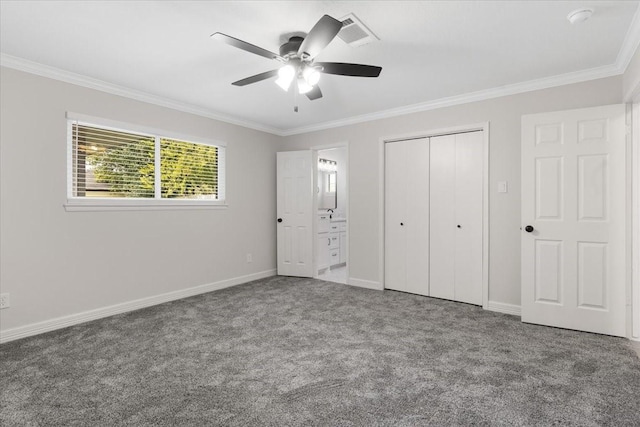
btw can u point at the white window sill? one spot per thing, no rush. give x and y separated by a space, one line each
85 205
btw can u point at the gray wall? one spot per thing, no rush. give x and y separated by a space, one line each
631 78
504 116
56 263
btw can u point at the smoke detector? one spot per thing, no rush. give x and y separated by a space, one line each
354 32
579 15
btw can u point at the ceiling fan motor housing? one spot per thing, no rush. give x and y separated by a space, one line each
291 47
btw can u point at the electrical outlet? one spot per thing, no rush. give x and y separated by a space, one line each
4 301
249 258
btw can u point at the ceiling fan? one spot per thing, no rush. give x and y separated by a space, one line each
298 55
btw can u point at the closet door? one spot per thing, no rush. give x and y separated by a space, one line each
456 217
443 217
468 237
407 216
395 236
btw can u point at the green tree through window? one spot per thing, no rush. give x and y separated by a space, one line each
126 168
110 163
188 170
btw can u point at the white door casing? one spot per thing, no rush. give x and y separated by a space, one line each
635 198
573 195
295 194
407 216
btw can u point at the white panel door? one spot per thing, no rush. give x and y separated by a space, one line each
295 213
407 216
456 217
573 218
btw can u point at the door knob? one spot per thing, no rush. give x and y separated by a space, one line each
529 228
402 223
459 226
279 219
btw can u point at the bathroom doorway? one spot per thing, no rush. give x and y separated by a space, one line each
331 220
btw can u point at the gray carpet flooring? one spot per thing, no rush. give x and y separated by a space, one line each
288 352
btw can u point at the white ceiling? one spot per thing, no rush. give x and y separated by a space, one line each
430 51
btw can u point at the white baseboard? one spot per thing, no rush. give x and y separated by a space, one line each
99 313
635 345
368 284
502 307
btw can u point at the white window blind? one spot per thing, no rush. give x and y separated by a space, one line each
188 170
116 164
111 163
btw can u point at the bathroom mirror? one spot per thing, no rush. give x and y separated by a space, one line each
327 184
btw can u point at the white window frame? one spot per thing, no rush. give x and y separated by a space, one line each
157 203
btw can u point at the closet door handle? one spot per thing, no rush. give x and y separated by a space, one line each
329 241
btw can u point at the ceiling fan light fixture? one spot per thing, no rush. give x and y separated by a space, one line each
285 76
303 86
311 75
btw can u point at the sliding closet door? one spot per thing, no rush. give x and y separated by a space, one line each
407 216
456 217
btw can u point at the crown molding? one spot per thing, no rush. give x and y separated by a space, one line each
31 67
513 89
632 40
630 43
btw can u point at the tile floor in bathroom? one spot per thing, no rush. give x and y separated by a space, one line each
336 274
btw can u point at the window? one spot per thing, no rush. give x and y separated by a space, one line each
109 166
